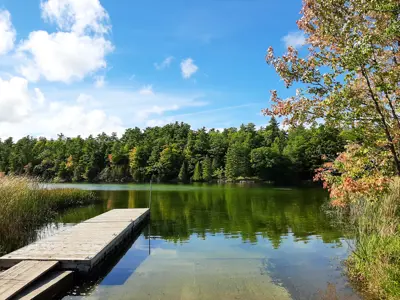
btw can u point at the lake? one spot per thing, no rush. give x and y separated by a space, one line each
219 242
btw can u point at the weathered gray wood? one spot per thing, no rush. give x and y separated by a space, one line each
82 246
49 287
21 275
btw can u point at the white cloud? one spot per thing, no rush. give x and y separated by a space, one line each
159 110
295 39
79 50
39 96
188 68
138 107
165 63
79 16
15 101
7 32
99 81
84 110
62 56
85 99
158 122
147 90
24 111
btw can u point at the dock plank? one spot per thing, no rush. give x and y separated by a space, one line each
83 245
21 275
49 287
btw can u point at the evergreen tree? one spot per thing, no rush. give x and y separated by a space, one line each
197 172
183 173
207 169
215 164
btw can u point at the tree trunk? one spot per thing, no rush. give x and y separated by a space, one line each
385 125
393 110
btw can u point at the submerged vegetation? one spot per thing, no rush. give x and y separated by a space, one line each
25 205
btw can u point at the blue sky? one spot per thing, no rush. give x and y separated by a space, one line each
87 66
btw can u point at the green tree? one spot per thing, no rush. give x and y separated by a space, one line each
237 161
215 164
219 173
197 172
5 153
172 152
272 132
207 169
137 163
183 172
349 78
170 160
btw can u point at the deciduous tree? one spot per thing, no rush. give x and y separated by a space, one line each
350 77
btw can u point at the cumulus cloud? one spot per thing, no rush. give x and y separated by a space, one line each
68 55
295 39
7 32
15 101
77 50
62 56
27 111
188 68
165 63
79 16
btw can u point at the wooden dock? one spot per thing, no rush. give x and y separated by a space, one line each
82 246
79 248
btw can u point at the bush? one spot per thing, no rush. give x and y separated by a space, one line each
26 204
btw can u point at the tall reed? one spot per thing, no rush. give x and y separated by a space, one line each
26 204
374 265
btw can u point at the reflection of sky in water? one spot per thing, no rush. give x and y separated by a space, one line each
219 267
182 271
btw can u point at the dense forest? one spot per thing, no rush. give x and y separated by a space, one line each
175 152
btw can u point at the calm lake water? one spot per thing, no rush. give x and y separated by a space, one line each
220 242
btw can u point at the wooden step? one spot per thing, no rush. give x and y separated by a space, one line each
48 287
15 279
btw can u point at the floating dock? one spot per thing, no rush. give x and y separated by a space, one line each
79 248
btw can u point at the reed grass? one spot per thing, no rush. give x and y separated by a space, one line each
374 265
26 204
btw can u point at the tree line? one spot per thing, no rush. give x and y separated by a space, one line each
175 152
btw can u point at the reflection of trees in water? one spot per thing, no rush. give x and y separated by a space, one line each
247 213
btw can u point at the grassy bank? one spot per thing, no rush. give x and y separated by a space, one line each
26 204
374 265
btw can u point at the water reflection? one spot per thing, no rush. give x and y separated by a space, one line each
224 242
248 213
